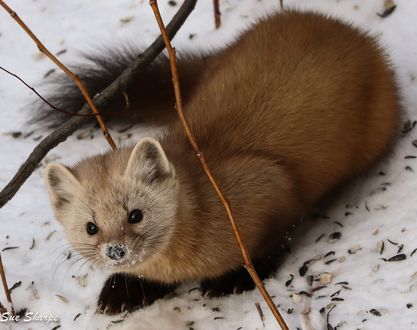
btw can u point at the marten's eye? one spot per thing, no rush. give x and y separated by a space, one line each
92 229
135 216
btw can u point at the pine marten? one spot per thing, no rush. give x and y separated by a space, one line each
298 104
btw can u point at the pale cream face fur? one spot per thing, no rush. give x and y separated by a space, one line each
104 190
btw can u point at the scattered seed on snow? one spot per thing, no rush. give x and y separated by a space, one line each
318 288
62 298
329 254
400 248
330 261
389 7
375 312
303 270
335 293
288 283
15 286
398 257
333 237
326 278
337 299
392 242
338 223
408 126
354 249
50 235
305 294
320 237
380 247
9 248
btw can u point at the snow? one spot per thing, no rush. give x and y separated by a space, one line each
372 209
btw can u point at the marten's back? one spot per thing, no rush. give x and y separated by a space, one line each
309 91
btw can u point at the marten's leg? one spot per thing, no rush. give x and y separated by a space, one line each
123 292
239 280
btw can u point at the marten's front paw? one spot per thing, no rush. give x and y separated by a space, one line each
120 293
123 292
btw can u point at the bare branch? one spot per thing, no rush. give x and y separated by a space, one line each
179 107
67 71
111 92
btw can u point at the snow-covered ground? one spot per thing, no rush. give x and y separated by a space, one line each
369 292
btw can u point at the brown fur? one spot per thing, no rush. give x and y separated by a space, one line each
299 104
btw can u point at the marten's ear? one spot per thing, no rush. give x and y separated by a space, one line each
62 185
148 162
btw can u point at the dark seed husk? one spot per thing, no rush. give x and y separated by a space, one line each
388 11
398 257
329 254
375 312
336 235
408 126
303 270
330 261
9 248
15 286
288 283
337 299
392 242
335 294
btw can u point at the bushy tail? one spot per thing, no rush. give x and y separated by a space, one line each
149 99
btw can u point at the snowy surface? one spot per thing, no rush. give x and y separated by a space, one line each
375 208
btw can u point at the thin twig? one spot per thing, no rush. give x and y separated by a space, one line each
67 71
281 3
217 14
43 99
103 99
179 107
5 287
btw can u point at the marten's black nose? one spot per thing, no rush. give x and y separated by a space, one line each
115 251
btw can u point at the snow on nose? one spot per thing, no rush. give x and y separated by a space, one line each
116 251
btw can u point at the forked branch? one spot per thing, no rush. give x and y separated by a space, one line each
179 107
67 71
111 92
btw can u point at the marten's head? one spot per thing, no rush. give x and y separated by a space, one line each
117 209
